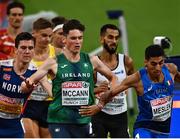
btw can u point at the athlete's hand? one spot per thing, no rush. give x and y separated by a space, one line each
103 87
93 109
106 97
89 110
27 85
99 90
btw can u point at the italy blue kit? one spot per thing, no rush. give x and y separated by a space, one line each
154 106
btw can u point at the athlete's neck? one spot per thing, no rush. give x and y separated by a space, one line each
107 56
156 79
41 54
20 67
39 50
110 60
73 57
13 32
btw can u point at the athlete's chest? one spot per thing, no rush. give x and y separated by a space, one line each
10 83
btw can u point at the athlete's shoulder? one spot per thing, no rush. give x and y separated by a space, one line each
8 62
142 71
52 52
171 67
94 58
128 62
84 56
32 66
83 53
3 32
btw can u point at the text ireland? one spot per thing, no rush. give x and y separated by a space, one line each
76 75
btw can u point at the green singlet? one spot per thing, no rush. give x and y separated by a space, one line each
73 87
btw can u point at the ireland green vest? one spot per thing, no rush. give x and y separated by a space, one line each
72 88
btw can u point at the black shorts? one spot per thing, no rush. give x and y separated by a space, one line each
116 125
37 110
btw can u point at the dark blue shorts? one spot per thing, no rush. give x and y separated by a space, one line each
69 130
11 128
147 133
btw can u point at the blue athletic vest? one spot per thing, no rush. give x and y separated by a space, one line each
11 98
155 104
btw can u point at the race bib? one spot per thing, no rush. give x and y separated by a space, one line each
161 108
117 105
10 107
39 94
75 93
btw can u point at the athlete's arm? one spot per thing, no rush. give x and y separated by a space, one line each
130 81
102 87
175 74
46 85
177 77
100 67
49 66
129 66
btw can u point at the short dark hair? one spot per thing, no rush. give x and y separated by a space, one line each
109 26
58 20
23 36
41 23
154 51
71 25
15 5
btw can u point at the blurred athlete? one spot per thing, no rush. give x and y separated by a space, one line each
57 36
15 14
35 115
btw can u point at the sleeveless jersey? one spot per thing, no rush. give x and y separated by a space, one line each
11 98
72 88
155 104
118 104
7 45
39 93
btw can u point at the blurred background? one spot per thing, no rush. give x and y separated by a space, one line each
145 19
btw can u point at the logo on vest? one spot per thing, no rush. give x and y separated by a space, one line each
63 66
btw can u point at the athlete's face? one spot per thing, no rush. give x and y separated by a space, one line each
43 37
154 66
110 40
58 38
15 17
74 40
25 51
